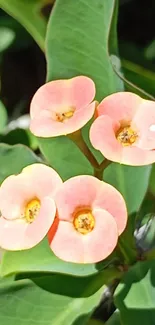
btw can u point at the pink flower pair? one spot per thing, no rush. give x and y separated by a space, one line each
124 128
82 216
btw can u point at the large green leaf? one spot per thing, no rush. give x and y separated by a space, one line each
14 158
41 259
135 295
63 155
132 182
77 43
50 300
29 14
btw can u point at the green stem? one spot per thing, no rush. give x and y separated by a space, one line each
105 163
98 173
77 138
128 255
123 253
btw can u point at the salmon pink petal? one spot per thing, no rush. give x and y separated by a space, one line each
12 234
19 235
71 246
43 179
109 199
135 156
45 126
78 191
101 242
48 96
102 137
67 243
144 122
121 106
78 92
13 193
35 181
82 91
38 229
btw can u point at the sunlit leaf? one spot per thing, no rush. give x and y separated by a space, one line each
135 295
29 14
41 259
132 182
14 158
77 43
56 300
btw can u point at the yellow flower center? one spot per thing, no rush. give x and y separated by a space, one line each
84 221
64 115
126 136
31 210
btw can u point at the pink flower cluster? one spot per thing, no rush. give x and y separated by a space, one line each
83 216
124 126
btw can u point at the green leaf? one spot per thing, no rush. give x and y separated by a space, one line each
135 295
7 36
150 51
77 42
3 115
14 158
56 300
13 137
140 76
64 156
1 253
28 13
21 37
41 259
152 182
114 319
126 247
132 182
25 136
94 322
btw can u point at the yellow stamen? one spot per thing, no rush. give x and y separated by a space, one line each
84 221
65 114
126 136
68 114
31 210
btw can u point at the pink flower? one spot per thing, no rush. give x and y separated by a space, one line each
27 207
124 130
91 215
63 106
